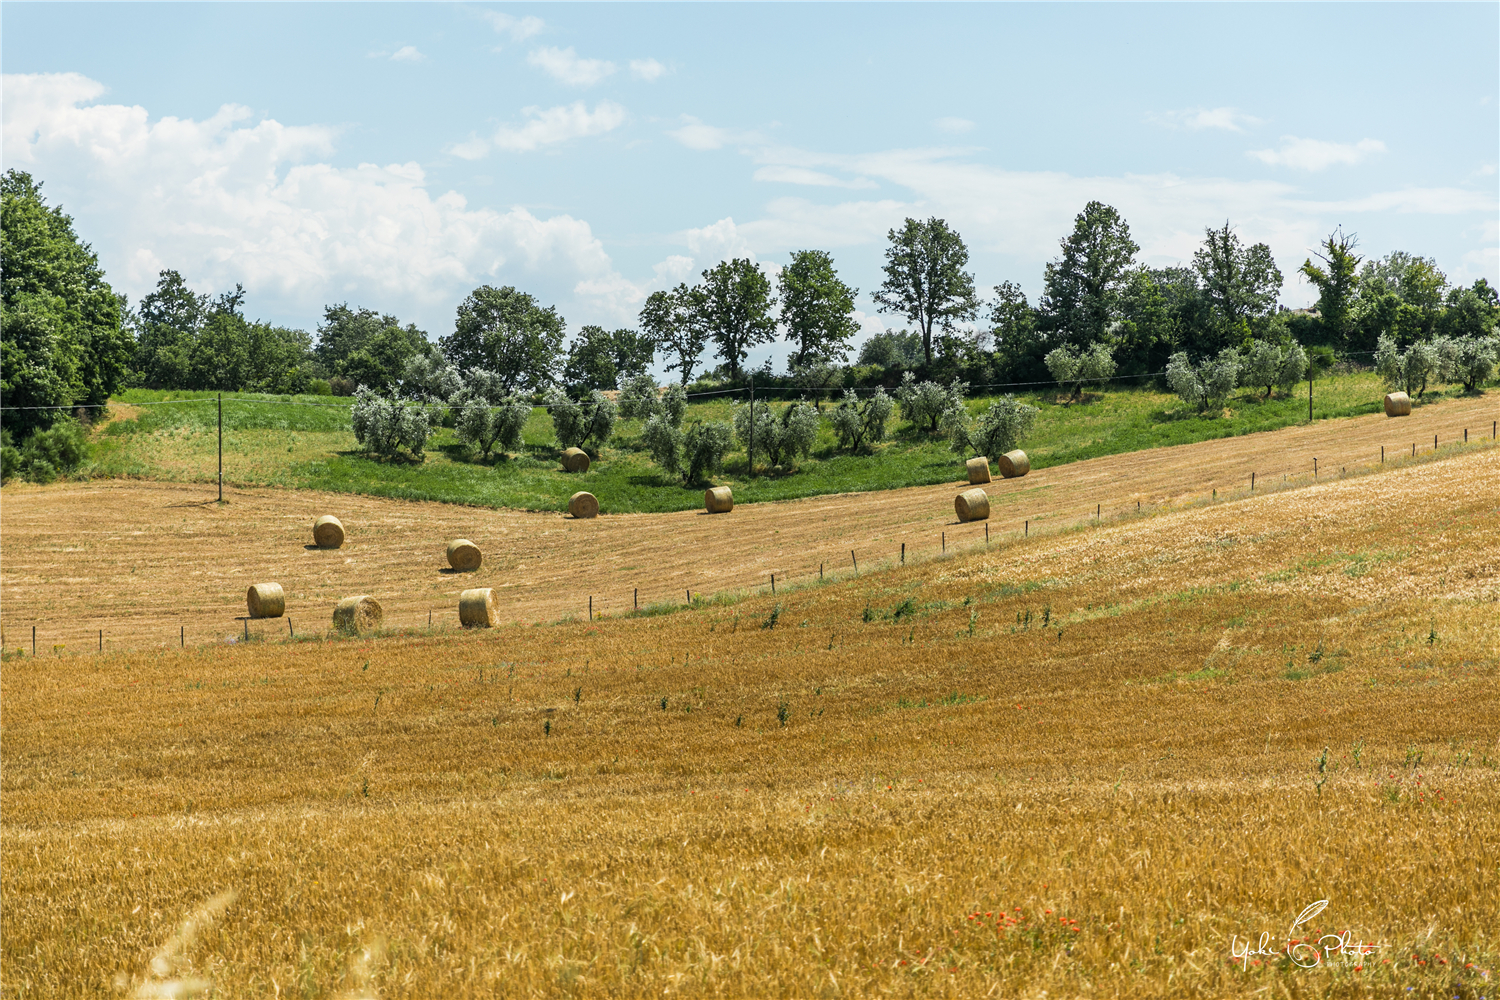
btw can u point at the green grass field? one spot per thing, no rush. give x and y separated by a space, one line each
306 442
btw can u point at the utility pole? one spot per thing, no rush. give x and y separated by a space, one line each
221 447
750 449
1309 397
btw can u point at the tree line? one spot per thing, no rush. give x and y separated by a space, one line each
69 339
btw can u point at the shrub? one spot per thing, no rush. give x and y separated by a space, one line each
56 451
1467 360
818 377
640 399
10 458
484 426
590 420
663 440
383 425
340 386
1405 372
998 430
1094 364
1268 365
319 387
925 404
1207 382
430 378
859 425
706 444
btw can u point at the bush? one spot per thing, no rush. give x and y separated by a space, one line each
859 425
1467 360
1406 372
1204 383
483 426
56 451
319 387
663 440
340 386
10 458
592 419
780 438
1268 365
640 399
383 425
926 404
1094 364
998 430
705 445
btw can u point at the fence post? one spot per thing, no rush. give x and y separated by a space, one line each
945 542
1382 454
289 630
750 448
33 642
820 571
101 640
986 532
903 553
1434 442
591 607
182 637
1027 530
855 561
1315 468
1252 482
638 598
773 584
690 595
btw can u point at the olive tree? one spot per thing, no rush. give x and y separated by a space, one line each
925 404
1406 371
1210 380
859 424
781 437
998 429
1069 367
1273 366
579 424
385 424
1467 360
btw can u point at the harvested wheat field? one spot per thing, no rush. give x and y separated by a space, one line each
153 564
1101 762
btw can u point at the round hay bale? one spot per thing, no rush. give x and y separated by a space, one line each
583 505
265 600
464 555
1014 464
355 615
972 505
1397 404
979 470
575 460
328 532
718 500
476 608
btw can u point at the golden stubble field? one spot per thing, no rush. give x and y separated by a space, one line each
154 564
1091 763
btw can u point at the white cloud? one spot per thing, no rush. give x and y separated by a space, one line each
518 28
1316 154
719 241
566 66
1229 119
694 134
230 199
953 125
647 69
801 175
407 53
545 127
672 270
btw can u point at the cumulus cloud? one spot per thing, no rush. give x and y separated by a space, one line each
1229 119
231 198
953 125
518 28
694 134
1316 154
568 67
647 69
545 127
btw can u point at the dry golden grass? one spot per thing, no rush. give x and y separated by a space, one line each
1107 737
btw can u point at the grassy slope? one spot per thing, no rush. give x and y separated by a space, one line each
310 446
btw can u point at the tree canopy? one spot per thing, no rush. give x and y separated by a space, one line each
1083 287
736 306
817 309
925 280
507 332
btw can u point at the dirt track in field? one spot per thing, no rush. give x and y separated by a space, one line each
140 560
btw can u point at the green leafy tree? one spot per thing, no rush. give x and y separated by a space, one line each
1470 312
926 404
587 423
1207 382
736 307
62 341
488 416
1468 361
817 309
999 429
1083 287
1273 365
779 437
507 332
591 361
925 280
1240 283
859 424
892 350
1146 331
168 320
386 424
1018 341
363 347
1337 279
1075 368
1406 371
676 322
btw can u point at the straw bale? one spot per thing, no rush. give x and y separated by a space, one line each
355 615
1014 464
583 505
972 505
265 600
979 470
575 460
718 500
476 608
464 555
328 532
1397 404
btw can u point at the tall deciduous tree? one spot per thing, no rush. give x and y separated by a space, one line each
1083 287
507 332
817 309
925 280
675 321
1241 283
365 347
168 321
1337 280
736 305
61 338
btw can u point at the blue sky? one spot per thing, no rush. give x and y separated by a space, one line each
398 155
